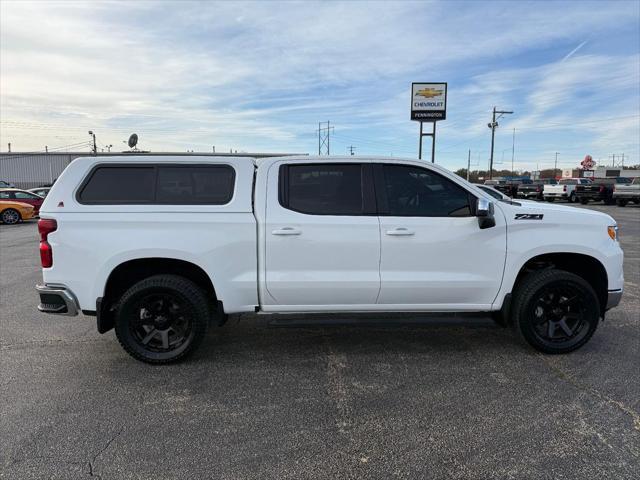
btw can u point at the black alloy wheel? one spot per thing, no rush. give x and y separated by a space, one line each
162 318
555 311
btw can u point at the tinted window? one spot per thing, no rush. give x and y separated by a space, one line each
322 189
120 185
418 192
207 184
167 184
25 196
5 195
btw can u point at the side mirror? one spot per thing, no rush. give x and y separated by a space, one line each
484 212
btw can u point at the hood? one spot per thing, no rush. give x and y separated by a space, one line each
557 212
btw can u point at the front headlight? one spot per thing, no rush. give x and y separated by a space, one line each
612 230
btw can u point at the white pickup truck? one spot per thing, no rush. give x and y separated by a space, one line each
624 193
159 247
565 189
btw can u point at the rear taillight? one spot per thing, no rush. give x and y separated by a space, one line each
45 227
538 188
601 188
564 188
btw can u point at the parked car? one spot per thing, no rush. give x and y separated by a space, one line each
535 189
500 185
497 194
40 191
564 189
14 212
601 189
313 234
624 193
22 196
4 184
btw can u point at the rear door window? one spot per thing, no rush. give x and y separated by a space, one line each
326 189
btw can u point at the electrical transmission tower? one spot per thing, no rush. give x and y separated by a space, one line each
324 134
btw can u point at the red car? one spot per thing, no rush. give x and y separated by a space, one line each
22 196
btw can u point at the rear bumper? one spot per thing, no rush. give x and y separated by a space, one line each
613 299
57 299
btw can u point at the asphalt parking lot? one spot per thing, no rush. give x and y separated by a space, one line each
439 397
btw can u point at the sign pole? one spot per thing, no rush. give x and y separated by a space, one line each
433 144
420 143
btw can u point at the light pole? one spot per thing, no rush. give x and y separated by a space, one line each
555 166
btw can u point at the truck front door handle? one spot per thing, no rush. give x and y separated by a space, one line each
287 231
400 232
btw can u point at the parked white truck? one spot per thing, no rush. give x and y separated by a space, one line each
160 247
565 189
624 193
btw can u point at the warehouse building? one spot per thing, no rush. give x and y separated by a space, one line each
30 170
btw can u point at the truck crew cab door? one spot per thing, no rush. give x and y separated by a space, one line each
322 237
434 255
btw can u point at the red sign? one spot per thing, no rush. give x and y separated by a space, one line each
587 163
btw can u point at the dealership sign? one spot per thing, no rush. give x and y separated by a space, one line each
428 102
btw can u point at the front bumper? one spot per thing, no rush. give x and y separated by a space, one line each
57 299
613 298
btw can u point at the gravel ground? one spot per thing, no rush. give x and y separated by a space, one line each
437 397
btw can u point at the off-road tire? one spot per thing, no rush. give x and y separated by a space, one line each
526 302
191 298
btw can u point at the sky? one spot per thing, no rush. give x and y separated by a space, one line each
258 77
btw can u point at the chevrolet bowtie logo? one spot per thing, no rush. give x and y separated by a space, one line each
428 93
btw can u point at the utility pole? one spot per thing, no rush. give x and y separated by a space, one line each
493 126
468 164
95 148
351 148
623 160
9 147
513 149
555 166
324 134
46 149
213 149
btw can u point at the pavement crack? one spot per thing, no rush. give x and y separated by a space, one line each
567 377
91 463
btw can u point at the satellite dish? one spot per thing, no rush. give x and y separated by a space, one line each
133 140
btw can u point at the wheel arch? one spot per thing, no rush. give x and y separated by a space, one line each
585 266
129 272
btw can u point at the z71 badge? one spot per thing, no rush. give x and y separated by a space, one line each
529 216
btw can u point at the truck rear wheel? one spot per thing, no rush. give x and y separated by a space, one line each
555 311
161 319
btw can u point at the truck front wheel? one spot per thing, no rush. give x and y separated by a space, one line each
555 311
162 318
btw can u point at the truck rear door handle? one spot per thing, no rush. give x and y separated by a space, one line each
400 232
287 231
